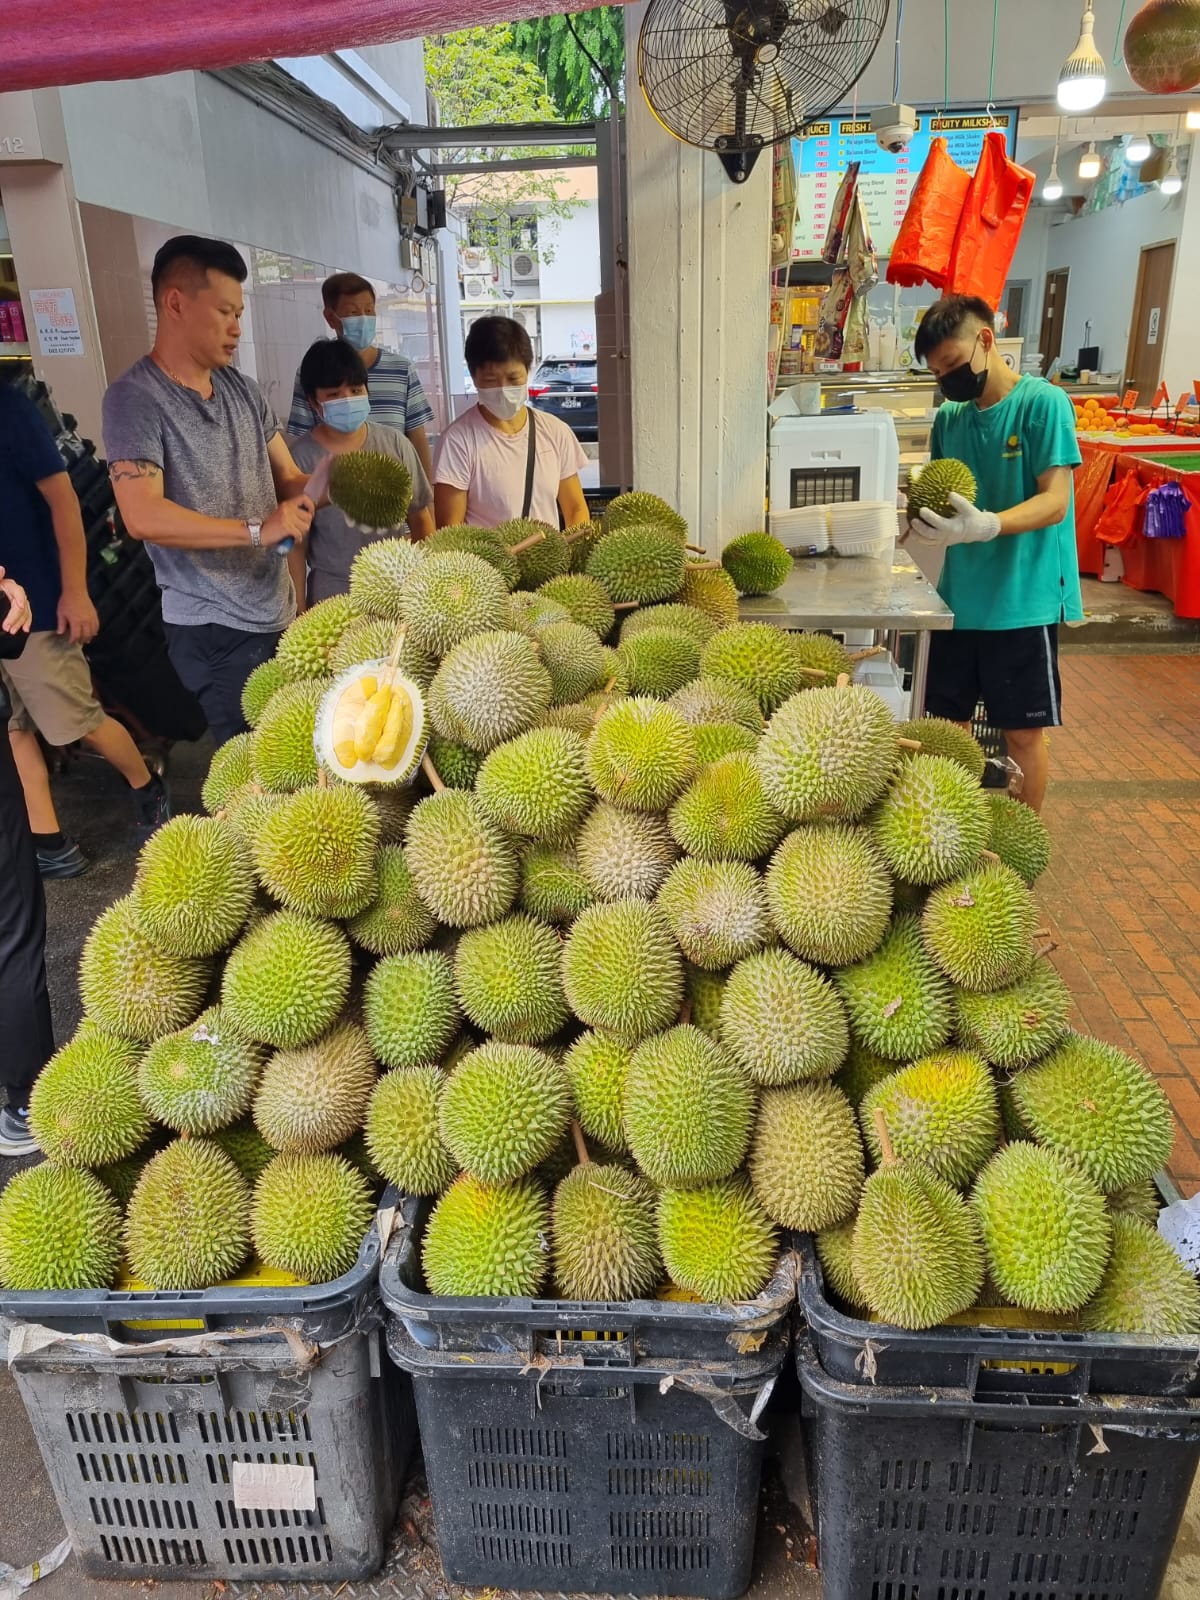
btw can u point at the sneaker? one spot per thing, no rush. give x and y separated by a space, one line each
16 1138
152 806
67 861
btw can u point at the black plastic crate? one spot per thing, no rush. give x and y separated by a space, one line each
994 744
933 1494
567 1451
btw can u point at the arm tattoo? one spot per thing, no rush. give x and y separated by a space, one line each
119 470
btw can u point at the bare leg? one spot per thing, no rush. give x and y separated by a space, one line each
113 741
1028 748
35 780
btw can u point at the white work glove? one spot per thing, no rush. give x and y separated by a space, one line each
968 525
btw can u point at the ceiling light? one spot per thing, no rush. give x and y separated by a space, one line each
1090 163
1171 182
1052 188
1192 121
1081 83
1138 149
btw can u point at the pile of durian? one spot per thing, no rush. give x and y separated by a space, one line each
672 936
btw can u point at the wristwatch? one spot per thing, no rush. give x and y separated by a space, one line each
255 531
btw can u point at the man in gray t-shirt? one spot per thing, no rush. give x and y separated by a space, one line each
202 474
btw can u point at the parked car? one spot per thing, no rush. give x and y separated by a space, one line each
565 386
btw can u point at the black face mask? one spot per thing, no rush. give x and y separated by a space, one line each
964 383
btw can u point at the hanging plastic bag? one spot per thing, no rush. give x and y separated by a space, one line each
1119 519
921 253
1166 511
990 225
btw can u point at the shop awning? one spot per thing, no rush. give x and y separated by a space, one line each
82 41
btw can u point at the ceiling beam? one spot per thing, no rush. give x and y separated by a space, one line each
488 136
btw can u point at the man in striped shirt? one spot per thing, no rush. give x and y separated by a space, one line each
397 398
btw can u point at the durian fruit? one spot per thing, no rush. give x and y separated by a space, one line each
59 1229
756 562
622 969
689 1109
659 661
671 614
861 1071
132 987
898 1000
319 1240
455 764
187 1225
1099 1108
246 1148
257 690
229 770
806 1159
597 1067
483 542
638 562
194 886
605 1239
372 490
711 590
1016 1026
507 979
586 599
529 611
465 870
717 1241
980 928
536 784
717 910
757 657
1045 1228
1140 1200
937 737
828 753
1146 1289
941 1111
639 508
612 681
641 755
316 851
397 921
283 756
314 1097
378 574
717 739
705 991
916 1253
447 598
503 1110
410 1008
821 653
402 1133
309 642
782 1021
718 700
120 1177
373 639
286 979
835 1252
585 536
1018 836
547 556
933 821
202 1077
573 657
484 1239
489 688
724 814
934 483
625 854
553 885
830 894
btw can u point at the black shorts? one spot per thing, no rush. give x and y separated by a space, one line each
1013 671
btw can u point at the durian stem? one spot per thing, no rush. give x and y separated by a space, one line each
843 680
1042 951
1042 933
431 772
886 1147
580 532
865 655
397 648
581 1149
322 778
814 672
910 744
990 856
626 605
685 1013
696 549
526 544
703 566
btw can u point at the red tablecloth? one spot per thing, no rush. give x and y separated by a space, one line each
1168 566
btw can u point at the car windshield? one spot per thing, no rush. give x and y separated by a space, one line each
576 372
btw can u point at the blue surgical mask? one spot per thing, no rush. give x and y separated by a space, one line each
359 332
346 415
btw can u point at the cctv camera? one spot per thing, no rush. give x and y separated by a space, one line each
893 127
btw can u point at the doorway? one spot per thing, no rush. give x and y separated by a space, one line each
1054 310
1016 300
1148 327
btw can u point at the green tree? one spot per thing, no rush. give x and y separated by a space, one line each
555 45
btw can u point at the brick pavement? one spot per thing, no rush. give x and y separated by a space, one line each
1122 892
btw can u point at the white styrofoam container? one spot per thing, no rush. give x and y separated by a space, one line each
863 444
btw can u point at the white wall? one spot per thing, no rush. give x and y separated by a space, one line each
1181 366
570 281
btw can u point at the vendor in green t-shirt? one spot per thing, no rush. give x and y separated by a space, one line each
1011 574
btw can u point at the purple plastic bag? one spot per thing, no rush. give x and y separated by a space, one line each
1165 511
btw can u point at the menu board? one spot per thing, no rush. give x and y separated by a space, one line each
886 181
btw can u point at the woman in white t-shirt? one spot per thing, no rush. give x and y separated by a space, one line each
483 459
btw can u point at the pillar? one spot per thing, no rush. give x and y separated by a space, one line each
1181 362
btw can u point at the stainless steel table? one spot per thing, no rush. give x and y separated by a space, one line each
889 595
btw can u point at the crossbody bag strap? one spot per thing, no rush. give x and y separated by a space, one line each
530 462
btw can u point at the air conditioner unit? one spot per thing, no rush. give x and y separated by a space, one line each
475 259
477 287
524 267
